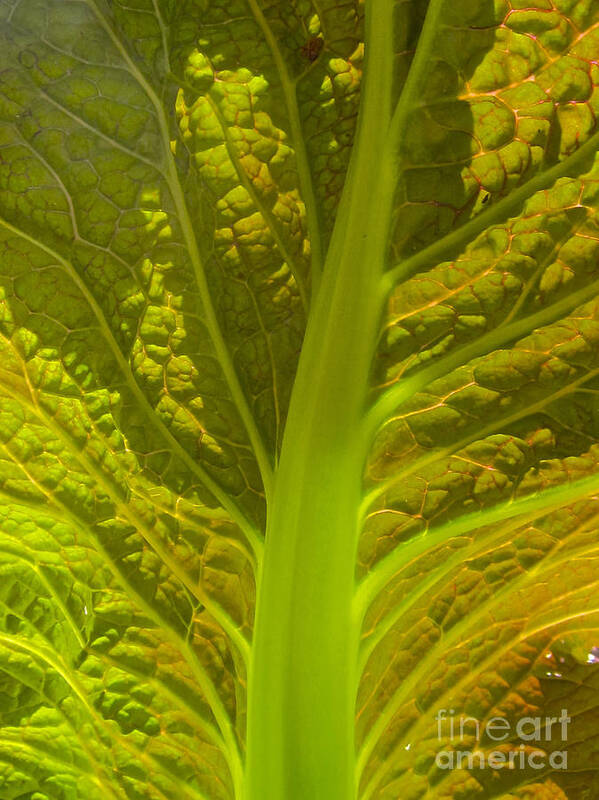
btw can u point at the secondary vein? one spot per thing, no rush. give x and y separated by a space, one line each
187 228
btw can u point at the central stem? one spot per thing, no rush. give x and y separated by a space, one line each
302 679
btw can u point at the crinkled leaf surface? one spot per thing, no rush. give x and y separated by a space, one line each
202 246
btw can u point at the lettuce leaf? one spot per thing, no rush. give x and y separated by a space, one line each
299 378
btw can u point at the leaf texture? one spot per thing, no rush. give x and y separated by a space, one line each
175 178
476 558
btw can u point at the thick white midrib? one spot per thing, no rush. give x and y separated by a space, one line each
212 323
301 687
253 538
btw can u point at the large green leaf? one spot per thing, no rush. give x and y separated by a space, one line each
299 420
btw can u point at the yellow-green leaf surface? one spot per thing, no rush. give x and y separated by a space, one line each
299 396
